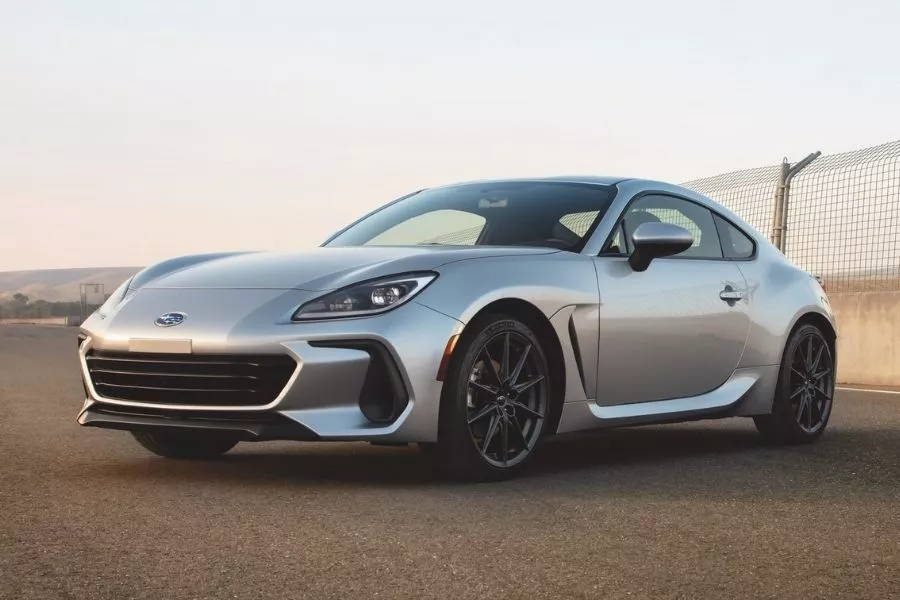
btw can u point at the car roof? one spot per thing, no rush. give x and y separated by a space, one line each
592 179
598 179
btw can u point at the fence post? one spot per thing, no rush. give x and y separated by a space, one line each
782 199
787 195
778 205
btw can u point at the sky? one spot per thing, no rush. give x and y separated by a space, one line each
135 131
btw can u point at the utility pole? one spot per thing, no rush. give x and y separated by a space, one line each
782 198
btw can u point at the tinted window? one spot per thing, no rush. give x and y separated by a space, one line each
506 213
675 211
735 243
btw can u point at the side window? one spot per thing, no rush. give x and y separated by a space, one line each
675 211
735 243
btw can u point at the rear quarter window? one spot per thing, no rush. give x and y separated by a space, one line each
735 243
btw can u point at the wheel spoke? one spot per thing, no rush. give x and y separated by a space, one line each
531 412
817 377
815 365
493 365
809 408
484 388
809 350
818 407
528 384
521 433
799 390
801 408
492 430
484 411
823 394
504 438
517 372
798 373
504 366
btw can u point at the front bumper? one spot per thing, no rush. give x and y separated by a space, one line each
322 399
249 427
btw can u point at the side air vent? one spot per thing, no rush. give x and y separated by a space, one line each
383 396
573 335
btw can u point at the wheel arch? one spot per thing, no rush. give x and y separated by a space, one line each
823 323
816 318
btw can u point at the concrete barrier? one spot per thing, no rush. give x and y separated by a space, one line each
868 337
37 321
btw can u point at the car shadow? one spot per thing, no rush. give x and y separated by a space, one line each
681 456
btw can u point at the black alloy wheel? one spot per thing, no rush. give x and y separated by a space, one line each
805 393
496 402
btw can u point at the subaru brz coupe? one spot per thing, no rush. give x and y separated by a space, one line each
474 320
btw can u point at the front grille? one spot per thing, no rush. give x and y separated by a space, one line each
203 380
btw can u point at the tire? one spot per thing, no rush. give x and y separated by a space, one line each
804 395
194 445
494 411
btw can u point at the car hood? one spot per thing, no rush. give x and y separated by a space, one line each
321 269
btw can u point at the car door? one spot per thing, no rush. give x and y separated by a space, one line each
677 329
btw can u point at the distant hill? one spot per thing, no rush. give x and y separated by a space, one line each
60 285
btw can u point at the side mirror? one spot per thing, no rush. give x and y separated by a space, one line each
657 240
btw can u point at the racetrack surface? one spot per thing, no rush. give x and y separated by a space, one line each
701 510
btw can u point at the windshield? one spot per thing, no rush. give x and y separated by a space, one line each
522 213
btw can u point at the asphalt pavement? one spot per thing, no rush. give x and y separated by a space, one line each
700 510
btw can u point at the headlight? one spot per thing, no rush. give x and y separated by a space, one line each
367 298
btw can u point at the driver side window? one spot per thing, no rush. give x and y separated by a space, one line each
652 208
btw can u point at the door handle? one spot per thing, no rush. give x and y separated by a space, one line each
731 295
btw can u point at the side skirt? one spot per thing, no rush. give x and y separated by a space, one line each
747 392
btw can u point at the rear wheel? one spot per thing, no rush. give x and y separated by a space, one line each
197 445
495 403
805 391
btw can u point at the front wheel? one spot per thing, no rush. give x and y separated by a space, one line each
199 445
495 404
805 391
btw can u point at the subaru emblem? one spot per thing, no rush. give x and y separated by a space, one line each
170 319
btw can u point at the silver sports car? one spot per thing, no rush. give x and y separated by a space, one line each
475 320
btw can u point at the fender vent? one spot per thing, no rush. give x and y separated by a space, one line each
573 335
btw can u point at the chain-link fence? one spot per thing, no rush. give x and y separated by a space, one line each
842 214
748 193
841 217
